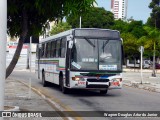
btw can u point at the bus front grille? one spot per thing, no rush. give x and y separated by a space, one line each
97 86
98 80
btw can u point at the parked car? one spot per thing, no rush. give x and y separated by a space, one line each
157 66
131 64
146 64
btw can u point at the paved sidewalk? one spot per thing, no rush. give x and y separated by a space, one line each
138 70
17 94
133 79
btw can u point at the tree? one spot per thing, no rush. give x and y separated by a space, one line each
120 25
60 27
28 17
154 36
154 19
133 27
148 46
94 18
131 46
136 28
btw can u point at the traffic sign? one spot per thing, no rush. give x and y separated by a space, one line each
141 49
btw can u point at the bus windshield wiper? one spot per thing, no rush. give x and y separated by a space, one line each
105 44
89 42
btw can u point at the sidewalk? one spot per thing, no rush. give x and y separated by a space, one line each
133 79
17 94
138 70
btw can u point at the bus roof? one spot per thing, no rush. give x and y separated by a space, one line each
65 33
88 32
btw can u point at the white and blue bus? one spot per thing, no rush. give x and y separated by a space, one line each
81 59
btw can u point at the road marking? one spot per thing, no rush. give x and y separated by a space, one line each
54 102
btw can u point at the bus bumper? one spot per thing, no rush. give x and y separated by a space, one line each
114 87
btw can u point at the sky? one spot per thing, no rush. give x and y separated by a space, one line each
138 9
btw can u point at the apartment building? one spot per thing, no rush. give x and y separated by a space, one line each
119 9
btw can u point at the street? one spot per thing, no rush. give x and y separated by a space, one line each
126 99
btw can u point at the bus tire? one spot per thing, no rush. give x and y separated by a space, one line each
103 92
63 88
44 82
60 82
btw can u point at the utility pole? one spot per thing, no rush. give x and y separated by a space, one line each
80 19
80 22
141 50
30 62
27 64
3 40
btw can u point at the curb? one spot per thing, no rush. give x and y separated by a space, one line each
138 70
141 86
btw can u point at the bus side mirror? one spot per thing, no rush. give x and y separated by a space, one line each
70 44
122 40
70 39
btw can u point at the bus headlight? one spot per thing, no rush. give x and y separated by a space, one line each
77 79
116 81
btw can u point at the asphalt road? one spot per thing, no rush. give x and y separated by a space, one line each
126 99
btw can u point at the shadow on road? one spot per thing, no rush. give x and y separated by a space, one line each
84 93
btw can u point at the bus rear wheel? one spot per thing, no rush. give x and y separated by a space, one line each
44 82
60 82
103 92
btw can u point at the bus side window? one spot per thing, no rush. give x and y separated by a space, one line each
48 49
58 47
45 50
37 51
54 50
42 51
59 50
63 47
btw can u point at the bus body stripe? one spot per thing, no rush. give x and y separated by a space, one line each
52 62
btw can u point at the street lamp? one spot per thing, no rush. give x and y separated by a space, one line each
80 21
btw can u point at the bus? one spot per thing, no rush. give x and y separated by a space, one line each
81 58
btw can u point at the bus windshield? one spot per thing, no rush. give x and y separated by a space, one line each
96 54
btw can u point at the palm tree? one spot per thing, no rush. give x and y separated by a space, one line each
153 37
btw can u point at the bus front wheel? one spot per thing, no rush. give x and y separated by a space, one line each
62 87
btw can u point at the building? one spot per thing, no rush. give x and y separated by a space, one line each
119 9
